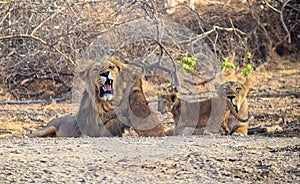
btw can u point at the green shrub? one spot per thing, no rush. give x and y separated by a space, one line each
247 70
248 55
228 65
188 63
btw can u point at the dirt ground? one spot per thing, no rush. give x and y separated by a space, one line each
198 159
270 155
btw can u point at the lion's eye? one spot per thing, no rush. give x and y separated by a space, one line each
96 70
111 67
238 89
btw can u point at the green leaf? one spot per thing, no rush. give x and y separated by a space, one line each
189 60
185 58
247 70
227 65
190 63
226 59
188 68
179 62
249 55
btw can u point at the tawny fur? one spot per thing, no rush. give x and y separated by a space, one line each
212 116
235 122
143 120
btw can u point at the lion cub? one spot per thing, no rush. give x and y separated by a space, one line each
225 114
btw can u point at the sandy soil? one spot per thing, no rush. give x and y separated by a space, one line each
271 155
198 159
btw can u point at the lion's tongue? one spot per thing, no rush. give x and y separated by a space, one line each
106 87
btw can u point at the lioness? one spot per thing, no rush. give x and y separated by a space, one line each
226 113
96 115
236 117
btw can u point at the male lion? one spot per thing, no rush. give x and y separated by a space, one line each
226 113
96 116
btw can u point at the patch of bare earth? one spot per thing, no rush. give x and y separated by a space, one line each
197 159
274 100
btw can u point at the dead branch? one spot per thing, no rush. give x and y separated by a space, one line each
39 40
159 66
281 17
33 101
50 37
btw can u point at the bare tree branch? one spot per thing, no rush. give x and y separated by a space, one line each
40 40
281 17
50 37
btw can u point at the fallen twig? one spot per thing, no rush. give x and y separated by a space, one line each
32 101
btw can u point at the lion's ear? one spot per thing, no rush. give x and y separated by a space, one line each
84 68
82 74
116 62
174 97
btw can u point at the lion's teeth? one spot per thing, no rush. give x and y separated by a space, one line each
106 87
233 102
103 79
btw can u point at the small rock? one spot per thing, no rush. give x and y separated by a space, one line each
17 152
47 171
43 161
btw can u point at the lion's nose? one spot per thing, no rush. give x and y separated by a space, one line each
231 97
104 74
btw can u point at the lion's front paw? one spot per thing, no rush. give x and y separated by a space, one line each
238 134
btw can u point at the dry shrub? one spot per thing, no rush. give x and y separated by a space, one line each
41 42
264 28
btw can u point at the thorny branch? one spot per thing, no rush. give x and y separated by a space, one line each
65 29
32 35
41 41
281 17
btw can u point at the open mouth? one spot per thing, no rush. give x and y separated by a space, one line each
106 90
231 98
107 87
